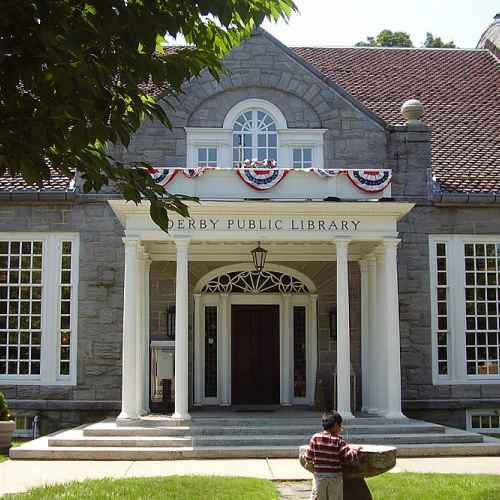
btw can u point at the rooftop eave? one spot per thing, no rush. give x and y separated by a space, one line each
461 199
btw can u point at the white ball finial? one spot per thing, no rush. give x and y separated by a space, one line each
412 111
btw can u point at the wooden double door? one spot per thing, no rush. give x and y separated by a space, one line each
255 355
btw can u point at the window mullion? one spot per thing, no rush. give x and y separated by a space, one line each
457 309
50 312
254 135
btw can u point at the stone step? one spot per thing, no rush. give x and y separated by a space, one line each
281 421
39 450
110 429
255 421
387 439
75 438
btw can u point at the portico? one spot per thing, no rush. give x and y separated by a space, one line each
344 234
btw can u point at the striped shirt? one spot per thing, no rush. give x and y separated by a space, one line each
328 451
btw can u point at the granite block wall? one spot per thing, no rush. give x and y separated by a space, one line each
415 304
261 68
100 309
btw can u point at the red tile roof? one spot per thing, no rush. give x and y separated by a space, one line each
18 184
460 90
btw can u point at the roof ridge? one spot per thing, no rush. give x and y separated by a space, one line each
442 49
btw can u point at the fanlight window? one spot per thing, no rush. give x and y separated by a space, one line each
254 282
254 137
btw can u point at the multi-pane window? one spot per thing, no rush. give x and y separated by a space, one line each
482 273
442 308
299 351
254 137
211 351
486 420
302 157
207 157
37 296
20 307
466 308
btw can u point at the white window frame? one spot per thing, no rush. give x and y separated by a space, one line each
488 412
207 147
301 148
51 275
457 370
223 137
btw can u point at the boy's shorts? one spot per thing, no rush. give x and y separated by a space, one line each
328 487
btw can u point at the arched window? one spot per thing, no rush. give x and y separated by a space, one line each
254 137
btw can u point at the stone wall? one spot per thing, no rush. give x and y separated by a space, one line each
415 301
100 307
262 68
323 274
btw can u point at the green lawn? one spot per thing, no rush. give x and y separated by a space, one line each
435 487
387 487
171 488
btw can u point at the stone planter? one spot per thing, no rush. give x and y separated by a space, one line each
372 461
7 428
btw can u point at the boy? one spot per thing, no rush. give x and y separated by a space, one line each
327 450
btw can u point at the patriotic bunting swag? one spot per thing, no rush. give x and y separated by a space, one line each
326 173
370 181
194 172
162 176
255 175
261 179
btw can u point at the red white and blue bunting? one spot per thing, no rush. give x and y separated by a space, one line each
322 172
255 175
163 176
370 181
261 179
190 173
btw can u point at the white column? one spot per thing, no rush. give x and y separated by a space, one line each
380 382
287 350
140 331
129 400
392 342
365 374
343 337
147 342
181 332
372 366
225 351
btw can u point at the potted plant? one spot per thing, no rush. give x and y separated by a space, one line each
7 425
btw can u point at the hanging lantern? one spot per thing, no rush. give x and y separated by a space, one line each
259 257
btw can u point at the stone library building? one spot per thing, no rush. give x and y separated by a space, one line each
344 253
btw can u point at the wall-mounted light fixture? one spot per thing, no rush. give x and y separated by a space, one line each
259 256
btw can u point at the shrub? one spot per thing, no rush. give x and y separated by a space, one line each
4 409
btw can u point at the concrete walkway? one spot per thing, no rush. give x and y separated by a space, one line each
21 475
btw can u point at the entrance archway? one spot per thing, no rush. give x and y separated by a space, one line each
291 329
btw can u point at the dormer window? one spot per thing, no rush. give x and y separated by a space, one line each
254 129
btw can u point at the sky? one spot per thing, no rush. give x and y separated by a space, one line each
343 23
